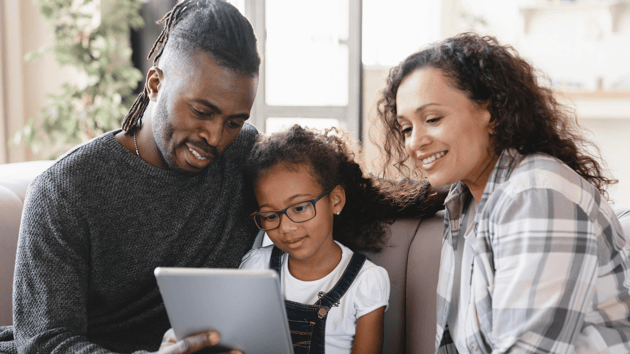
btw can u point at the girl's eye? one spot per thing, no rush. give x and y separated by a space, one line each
270 217
299 208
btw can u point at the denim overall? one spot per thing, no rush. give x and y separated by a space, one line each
308 322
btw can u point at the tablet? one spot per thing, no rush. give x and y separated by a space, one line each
245 306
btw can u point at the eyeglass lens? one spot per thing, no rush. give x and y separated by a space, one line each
300 212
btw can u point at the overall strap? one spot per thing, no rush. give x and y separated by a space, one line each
330 299
274 262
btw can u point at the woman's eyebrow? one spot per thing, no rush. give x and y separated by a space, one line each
424 106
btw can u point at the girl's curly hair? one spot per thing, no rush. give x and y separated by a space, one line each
525 114
331 159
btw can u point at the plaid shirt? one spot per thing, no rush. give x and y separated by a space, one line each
551 267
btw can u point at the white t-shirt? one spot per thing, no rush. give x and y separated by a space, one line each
368 292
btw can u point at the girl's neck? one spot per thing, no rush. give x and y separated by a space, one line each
315 268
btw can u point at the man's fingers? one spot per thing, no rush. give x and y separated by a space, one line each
169 338
193 343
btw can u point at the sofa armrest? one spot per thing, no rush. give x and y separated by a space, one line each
10 214
14 180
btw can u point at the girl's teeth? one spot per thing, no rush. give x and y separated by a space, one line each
428 160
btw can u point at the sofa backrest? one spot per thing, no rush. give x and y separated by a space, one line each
412 258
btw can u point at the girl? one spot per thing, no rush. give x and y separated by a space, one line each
317 208
533 259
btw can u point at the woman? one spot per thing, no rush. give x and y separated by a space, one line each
533 258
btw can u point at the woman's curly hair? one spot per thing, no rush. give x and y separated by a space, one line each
525 115
332 160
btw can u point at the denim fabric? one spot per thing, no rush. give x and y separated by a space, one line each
308 322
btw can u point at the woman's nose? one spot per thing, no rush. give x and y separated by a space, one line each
416 141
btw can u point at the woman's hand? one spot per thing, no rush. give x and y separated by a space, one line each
190 344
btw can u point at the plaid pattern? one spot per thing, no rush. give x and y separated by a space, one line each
551 266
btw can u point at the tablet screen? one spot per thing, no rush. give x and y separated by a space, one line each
245 306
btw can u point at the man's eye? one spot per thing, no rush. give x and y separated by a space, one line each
235 124
201 114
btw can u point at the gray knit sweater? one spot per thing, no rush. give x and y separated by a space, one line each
95 226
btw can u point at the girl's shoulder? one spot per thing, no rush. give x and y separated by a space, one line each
371 289
257 258
370 275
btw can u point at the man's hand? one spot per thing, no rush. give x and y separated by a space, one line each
190 344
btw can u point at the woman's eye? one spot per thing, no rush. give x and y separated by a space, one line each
432 120
406 131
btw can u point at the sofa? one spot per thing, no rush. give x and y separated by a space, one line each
411 257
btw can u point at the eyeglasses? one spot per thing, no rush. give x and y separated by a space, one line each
300 212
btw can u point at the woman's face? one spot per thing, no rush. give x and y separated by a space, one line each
446 134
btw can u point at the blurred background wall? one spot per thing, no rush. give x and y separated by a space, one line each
325 62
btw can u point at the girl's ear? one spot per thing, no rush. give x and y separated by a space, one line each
338 199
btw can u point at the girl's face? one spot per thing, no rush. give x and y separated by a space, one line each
446 134
280 187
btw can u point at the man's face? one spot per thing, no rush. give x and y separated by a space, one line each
200 109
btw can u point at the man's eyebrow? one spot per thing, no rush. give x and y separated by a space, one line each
424 106
217 110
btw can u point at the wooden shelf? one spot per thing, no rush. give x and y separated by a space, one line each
597 104
595 94
615 9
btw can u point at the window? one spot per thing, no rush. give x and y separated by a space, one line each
311 63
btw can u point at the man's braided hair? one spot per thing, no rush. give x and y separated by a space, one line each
213 26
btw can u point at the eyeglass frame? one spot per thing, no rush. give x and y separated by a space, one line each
284 211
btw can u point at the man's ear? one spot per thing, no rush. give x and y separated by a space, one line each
154 82
338 199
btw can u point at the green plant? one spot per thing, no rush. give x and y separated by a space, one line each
98 97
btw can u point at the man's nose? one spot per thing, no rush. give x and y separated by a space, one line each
212 131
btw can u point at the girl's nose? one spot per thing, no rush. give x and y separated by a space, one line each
286 225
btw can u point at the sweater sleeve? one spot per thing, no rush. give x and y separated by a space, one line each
50 295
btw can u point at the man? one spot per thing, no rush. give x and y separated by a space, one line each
166 190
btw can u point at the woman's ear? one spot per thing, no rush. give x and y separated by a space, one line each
486 117
154 82
338 199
